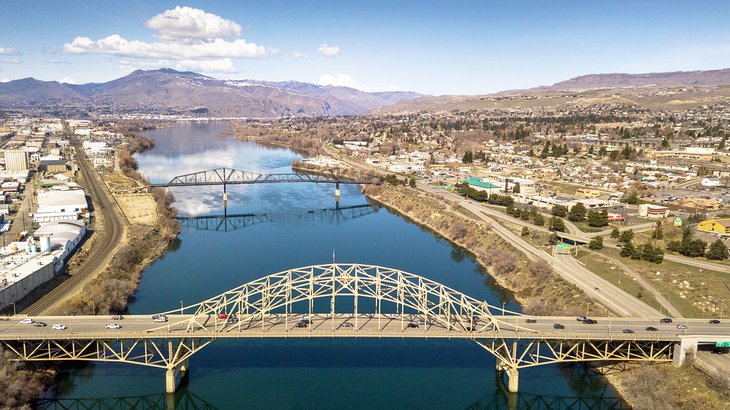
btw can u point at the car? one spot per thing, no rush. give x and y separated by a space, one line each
581 318
26 321
39 324
58 327
156 316
222 316
422 322
665 320
590 321
596 289
347 324
531 320
232 319
306 319
411 324
651 329
714 322
558 326
681 326
628 331
120 317
302 324
393 316
113 326
161 318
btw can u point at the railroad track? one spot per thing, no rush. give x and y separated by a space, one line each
105 242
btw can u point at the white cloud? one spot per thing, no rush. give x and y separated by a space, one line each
207 66
10 61
339 80
67 80
56 61
329 51
299 54
344 80
218 48
187 23
9 51
50 50
187 38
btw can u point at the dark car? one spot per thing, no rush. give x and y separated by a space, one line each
651 329
665 320
232 319
628 331
412 324
590 321
558 326
119 317
302 324
714 322
531 320
39 324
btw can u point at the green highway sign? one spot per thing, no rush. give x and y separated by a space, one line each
722 344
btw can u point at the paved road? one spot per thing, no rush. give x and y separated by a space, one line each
107 239
142 326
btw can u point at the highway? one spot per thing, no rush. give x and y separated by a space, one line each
363 325
105 241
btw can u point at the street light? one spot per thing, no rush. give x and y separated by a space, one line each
14 309
503 303
181 307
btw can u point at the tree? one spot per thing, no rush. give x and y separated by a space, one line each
598 218
631 197
554 239
412 182
560 210
596 243
557 224
615 233
590 150
538 219
602 151
525 231
717 251
577 212
516 188
626 236
650 253
468 157
658 233
629 251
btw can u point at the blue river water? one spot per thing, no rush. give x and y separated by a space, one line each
316 373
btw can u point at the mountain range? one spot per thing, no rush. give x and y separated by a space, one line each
192 92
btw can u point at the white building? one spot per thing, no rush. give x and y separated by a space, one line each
23 268
711 182
60 205
653 211
16 160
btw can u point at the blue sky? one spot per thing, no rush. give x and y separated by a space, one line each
434 47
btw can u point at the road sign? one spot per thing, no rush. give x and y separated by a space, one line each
722 344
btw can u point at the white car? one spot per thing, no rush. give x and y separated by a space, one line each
58 327
113 326
160 319
26 321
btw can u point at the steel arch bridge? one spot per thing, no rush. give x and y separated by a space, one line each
341 300
229 176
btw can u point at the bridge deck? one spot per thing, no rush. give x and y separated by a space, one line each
370 326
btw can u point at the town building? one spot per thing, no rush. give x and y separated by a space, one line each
58 205
15 160
653 211
719 226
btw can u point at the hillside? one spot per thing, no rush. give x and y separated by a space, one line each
186 91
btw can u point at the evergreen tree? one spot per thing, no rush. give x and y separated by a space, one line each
525 231
412 182
628 251
590 150
560 210
468 157
516 188
557 224
615 233
577 212
538 219
626 236
658 232
596 243
598 218
717 251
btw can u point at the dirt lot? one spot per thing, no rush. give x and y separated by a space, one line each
139 208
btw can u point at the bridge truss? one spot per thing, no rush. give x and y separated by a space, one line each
381 302
228 176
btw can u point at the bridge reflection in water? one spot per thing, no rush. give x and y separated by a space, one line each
232 222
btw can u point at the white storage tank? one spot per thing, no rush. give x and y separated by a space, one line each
45 243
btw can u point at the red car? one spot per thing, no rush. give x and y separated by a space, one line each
223 316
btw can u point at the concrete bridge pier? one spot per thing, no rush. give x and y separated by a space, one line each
686 349
513 375
337 191
225 196
174 375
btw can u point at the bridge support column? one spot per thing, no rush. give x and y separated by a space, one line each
513 380
174 375
337 190
686 349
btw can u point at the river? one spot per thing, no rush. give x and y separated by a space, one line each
317 373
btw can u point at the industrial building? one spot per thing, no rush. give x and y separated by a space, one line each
57 205
26 265
15 160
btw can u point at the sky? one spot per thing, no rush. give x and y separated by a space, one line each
433 47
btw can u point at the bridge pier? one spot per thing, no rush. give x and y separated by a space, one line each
337 190
513 375
174 375
686 349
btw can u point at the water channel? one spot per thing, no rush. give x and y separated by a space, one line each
317 373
